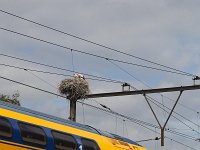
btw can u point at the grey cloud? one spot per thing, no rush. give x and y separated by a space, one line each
163 31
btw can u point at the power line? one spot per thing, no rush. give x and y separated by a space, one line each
174 112
73 61
125 71
52 73
101 45
146 85
94 43
54 67
94 55
52 93
126 117
152 99
114 81
41 79
36 88
174 116
143 125
64 75
169 139
191 109
182 135
170 131
146 140
181 143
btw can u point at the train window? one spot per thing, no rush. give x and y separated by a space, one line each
5 128
89 144
32 134
64 141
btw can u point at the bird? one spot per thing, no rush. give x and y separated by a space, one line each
79 76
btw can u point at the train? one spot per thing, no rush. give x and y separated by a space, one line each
25 129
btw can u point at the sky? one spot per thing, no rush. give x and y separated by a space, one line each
162 31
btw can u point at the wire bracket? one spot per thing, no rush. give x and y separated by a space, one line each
162 128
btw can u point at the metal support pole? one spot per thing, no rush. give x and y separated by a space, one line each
173 109
162 136
72 110
163 128
152 111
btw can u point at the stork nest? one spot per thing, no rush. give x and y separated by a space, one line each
74 89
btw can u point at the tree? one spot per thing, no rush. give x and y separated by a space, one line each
12 100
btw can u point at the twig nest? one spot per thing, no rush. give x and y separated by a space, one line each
74 89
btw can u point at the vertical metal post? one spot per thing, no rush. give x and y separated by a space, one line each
72 110
162 136
163 128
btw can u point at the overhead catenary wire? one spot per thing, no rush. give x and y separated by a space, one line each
14 15
126 117
114 81
71 76
21 18
185 145
52 93
147 85
40 78
54 67
169 130
65 33
182 135
187 107
73 66
146 140
125 71
95 43
174 112
152 99
94 55
192 129
149 96
56 88
47 72
135 120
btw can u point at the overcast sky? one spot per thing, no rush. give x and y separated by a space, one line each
163 31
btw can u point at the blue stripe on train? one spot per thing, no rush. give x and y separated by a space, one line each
16 138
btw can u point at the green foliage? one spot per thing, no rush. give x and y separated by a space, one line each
12 100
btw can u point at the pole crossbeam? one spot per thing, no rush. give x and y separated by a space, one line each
147 91
151 91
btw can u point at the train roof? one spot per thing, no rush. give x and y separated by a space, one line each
62 121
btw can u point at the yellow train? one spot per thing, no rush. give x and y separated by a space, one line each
22 129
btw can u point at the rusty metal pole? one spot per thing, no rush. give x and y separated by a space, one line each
72 110
152 111
162 136
163 128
